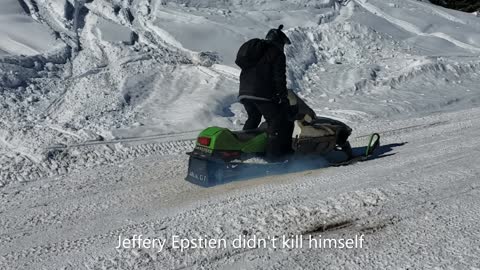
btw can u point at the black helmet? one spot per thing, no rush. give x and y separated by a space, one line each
277 36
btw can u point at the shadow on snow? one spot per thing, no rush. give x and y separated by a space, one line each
248 171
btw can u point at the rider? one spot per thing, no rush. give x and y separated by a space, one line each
263 89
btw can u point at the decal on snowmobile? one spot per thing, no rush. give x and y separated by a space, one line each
204 149
199 177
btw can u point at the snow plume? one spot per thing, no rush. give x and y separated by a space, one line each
260 167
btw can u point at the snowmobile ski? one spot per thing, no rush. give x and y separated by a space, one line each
373 144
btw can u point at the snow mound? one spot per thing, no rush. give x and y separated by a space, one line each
21 34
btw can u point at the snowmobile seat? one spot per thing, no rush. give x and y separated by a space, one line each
320 121
342 130
246 135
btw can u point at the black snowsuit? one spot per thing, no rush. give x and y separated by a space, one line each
263 91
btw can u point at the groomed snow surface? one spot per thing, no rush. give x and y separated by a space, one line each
94 128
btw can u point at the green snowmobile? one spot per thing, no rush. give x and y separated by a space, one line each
219 155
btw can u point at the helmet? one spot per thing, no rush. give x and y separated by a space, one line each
277 36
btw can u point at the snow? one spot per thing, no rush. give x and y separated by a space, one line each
92 142
112 32
21 34
411 209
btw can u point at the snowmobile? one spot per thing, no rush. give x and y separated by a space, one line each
221 155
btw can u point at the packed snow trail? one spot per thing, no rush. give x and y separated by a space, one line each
426 178
91 147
